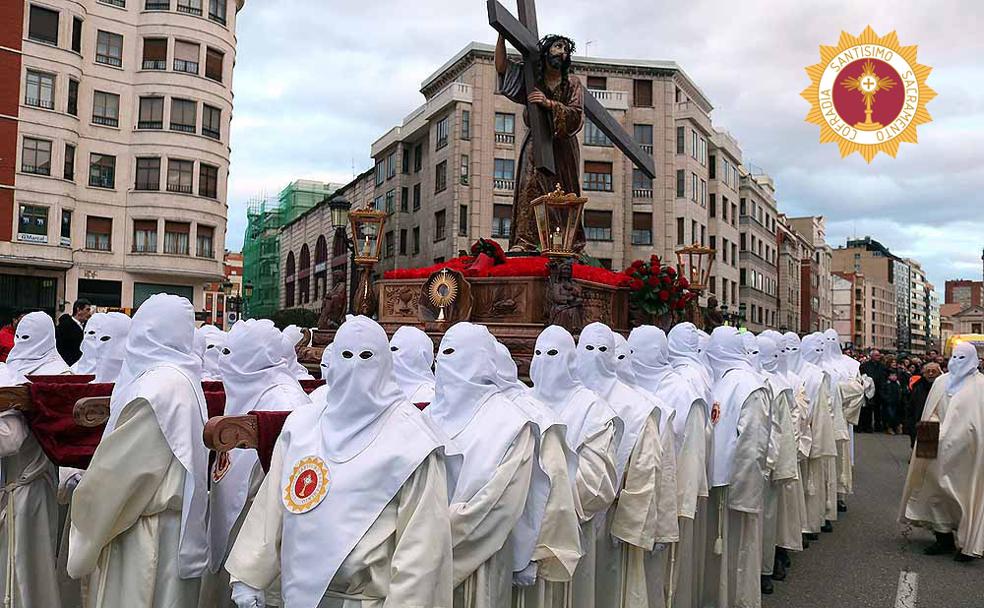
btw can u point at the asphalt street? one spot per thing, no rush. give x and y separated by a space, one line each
858 565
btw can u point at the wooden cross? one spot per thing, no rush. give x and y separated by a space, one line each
522 34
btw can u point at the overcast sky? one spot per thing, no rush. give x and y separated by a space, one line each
317 81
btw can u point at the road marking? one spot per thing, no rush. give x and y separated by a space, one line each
905 597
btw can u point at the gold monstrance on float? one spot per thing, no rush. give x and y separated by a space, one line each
869 84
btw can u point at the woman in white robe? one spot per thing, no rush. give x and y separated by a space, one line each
413 360
738 475
292 337
945 494
629 529
592 433
255 377
692 439
353 512
139 514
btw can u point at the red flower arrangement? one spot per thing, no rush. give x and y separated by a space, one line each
526 266
657 289
489 248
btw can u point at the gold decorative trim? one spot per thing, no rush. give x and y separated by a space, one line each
317 472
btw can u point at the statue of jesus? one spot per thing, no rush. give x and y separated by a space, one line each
561 95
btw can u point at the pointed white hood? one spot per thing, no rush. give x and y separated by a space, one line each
34 349
962 365
87 363
292 335
110 348
413 360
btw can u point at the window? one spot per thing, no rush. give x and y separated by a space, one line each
213 64
642 229
694 146
105 109
73 97
183 115
734 214
68 169
642 184
416 197
503 175
157 5
465 124
703 192
377 203
681 183
598 176
109 48
179 175
442 132
204 238
403 241
208 181
154 54
43 26
693 231
390 201
441 177
643 135
712 167
211 121
102 170
36 156
217 11
192 7
380 174
712 209
462 220
642 93
33 224
439 225
418 158
151 114
120 3
464 169
598 225
391 165
98 233
681 237
148 174
176 237
597 83
186 56
389 239
404 199
501 221
724 207
681 140
76 34
416 240
39 90
593 135
693 186
505 128
66 228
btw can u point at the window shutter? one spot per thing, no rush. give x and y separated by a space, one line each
98 225
186 51
155 49
597 167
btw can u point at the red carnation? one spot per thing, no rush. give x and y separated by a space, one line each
680 305
636 284
653 281
654 260
684 283
670 271
637 264
629 271
667 280
664 295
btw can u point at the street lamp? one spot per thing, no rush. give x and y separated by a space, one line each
364 247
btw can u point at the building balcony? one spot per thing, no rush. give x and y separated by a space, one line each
611 100
642 193
418 119
647 148
690 110
505 138
504 184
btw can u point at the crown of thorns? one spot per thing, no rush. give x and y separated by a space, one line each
547 41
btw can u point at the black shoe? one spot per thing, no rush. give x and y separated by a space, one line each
841 506
943 545
827 527
783 556
806 542
811 536
778 570
963 557
766 585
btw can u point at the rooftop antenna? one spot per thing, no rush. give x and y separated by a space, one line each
587 47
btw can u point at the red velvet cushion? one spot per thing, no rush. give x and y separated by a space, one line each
212 385
309 386
63 379
65 443
268 427
215 402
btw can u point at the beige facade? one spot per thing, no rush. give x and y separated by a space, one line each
843 301
123 149
758 258
879 313
920 311
792 249
724 166
447 172
969 319
816 312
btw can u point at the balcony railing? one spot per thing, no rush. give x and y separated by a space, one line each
109 60
214 134
180 188
642 193
106 121
503 184
150 124
611 100
505 138
36 169
47 104
191 10
218 19
189 67
647 148
642 237
120 3
183 128
154 64
157 5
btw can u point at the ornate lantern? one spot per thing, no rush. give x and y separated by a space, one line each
695 263
339 208
558 216
367 228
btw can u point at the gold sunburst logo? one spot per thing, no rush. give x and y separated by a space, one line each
868 94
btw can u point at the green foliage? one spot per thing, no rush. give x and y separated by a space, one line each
301 317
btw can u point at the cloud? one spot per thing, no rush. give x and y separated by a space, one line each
316 82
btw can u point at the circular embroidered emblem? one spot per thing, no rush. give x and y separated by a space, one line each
715 412
307 486
223 462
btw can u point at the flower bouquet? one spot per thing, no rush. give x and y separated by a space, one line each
657 290
487 253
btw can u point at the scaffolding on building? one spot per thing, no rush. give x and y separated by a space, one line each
265 217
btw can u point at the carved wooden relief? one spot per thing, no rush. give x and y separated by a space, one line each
224 433
91 412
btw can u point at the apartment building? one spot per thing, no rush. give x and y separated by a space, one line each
723 172
792 250
962 291
846 309
446 173
758 254
114 130
920 309
815 304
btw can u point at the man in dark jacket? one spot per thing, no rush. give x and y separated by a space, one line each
917 400
69 332
871 418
